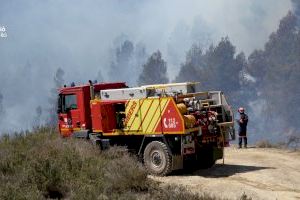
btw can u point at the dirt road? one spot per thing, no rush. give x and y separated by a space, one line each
259 173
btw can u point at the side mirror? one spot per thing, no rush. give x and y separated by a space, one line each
59 104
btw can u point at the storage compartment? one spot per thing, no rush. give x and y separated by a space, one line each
103 117
128 93
108 114
177 88
96 116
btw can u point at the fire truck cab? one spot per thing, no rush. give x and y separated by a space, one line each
74 112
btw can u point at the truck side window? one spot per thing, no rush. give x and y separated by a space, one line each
120 115
59 104
70 102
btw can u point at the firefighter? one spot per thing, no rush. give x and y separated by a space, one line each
243 121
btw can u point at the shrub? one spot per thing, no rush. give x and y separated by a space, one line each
125 173
264 144
293 141
41 165
177 193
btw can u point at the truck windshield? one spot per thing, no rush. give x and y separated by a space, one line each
66 103
70 102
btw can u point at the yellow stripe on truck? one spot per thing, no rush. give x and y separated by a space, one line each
149 115
156 118
143 116
136 117
163 105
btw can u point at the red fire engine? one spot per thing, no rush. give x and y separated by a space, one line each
167 125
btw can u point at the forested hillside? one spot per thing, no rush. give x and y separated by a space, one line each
266 82
249 50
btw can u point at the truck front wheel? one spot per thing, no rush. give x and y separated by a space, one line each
157 158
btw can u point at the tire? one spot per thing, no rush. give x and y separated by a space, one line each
208 163
157 159
206 158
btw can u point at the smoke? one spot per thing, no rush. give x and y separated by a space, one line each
79 36
296 9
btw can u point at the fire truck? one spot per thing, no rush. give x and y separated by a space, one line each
169 126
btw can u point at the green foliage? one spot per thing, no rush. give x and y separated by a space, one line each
277 69
121 65
274 75
245 197
296 10
58 83
265 144
127 60
154 71
190 70
218 68
1 106
45 165
37 121
177 193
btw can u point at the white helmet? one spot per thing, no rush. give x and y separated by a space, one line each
241 110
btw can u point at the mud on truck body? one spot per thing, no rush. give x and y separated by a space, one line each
167 125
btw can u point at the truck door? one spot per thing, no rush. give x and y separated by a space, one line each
69 117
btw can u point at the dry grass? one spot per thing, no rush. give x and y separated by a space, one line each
264 144
41 165
268 144
292 143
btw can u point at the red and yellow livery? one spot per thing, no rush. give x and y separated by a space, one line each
167 124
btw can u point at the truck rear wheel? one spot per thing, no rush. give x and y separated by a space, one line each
206 157
157 158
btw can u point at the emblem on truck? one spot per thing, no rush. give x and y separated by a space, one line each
170 122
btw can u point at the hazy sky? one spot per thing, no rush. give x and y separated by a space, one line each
79 36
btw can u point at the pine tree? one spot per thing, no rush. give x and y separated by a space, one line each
296 10
277 70
154 71
190 70
99 77
140 58
216 69
222 70
58 82
37 119
2 112
120 68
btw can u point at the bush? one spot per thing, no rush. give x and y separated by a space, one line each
293 142
45 165
41 165
264 144
123 177
177 193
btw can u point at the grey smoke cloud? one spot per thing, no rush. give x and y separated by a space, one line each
78 36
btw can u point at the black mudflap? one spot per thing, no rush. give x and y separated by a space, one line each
177 162
217 153
207 156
